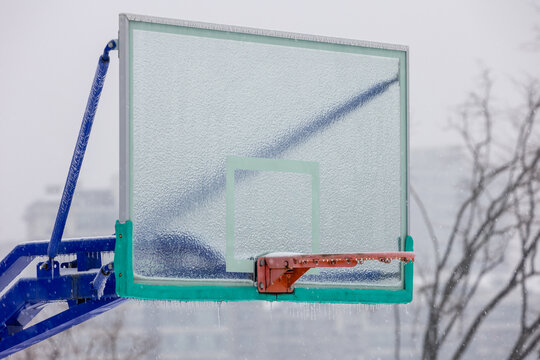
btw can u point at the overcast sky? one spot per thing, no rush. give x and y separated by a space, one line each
50 51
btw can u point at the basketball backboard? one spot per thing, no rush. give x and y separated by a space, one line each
237 142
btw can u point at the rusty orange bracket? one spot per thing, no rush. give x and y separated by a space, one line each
277 274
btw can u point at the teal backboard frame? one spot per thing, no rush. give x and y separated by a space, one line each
129 284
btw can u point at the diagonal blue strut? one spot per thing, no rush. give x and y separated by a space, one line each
80 149
21 302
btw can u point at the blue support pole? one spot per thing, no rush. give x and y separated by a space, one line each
80 148
22 255
27 292
88 294
100 281
58 323
84 291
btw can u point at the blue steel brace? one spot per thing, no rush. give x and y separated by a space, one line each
80 148
88 293
85 284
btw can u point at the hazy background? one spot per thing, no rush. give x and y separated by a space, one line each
49 54
50 50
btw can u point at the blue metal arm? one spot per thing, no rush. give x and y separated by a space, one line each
56 324
27 293
15 262
88 294
80 148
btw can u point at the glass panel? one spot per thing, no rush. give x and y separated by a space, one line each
272 211
199 97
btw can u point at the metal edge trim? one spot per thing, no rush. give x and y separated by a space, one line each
264 32
408 122
124 166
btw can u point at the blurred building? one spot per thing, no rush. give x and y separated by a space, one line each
93 212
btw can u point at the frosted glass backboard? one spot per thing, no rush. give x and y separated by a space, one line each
238 142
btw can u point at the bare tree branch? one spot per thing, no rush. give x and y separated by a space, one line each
497 213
